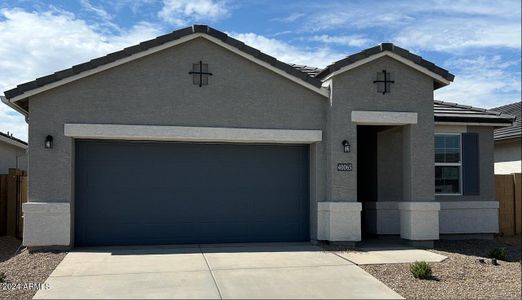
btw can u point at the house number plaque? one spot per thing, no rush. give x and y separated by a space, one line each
344 167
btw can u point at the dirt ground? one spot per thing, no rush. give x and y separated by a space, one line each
24 272
461 276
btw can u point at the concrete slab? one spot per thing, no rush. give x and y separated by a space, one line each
272 247
364 258
220 258
323 282
82 264
398 256
412 255
240 271
178 285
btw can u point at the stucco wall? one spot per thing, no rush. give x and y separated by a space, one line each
411 92
12 157
157 90
389 157
508 156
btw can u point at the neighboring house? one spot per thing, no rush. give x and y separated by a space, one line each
195 137
13 153
508 142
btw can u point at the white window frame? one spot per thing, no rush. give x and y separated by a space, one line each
459 164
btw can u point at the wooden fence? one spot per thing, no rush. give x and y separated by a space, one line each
508 189
13 192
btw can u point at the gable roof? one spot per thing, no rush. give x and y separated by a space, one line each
449 112
513 132
10 139
23 90
442 76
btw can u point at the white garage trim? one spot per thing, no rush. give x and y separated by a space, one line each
191 134
383 117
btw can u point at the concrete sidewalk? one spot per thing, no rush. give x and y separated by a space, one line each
212 272
386 252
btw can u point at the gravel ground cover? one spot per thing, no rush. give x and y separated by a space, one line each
461 276
24 271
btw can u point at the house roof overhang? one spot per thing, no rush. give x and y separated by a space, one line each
454 113
13 141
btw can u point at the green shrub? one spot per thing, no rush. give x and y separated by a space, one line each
421 270
498 253
2 277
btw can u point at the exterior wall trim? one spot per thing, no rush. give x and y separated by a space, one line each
387 205
469 205
383 117
439 128
420 206
469 217
419 220
339 221
47 224
150 51
191 134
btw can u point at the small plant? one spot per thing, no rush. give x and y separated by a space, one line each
498 253
421 270
2 277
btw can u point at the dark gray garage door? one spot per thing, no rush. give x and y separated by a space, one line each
162 193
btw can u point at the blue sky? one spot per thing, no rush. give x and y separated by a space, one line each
478 41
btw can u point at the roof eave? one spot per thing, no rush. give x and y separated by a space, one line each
476 121
13 142
14 106
513 138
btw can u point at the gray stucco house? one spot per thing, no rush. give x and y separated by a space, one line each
508 142
13 153
195 137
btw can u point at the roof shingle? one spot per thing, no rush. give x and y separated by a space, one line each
454 112
515 131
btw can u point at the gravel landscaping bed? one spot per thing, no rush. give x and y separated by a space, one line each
461 275
25 269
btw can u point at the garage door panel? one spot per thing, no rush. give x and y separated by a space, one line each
137 192
189 232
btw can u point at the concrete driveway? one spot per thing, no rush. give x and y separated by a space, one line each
211 271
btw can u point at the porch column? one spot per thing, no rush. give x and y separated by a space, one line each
339 214
419 212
